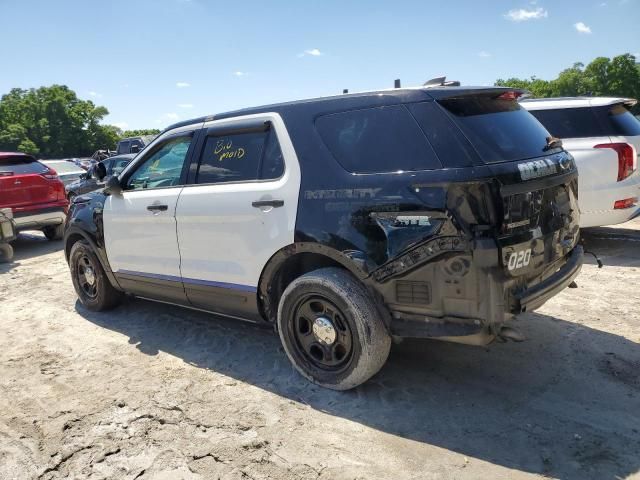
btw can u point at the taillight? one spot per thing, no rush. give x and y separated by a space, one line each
626 203
510 95
627 159
50 174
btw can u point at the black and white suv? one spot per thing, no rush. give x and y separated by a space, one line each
343 221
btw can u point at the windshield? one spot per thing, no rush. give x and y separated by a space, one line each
499 129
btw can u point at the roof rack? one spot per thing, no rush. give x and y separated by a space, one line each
440 82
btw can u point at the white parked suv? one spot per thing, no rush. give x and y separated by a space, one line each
604 138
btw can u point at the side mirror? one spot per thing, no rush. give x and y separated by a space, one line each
99 171
113 186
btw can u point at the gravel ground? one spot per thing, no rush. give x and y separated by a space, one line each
151 391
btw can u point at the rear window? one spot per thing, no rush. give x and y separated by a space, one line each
622 121
376 140
500 130
570 122
123 147
20 166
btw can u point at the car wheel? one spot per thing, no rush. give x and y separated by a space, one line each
332 330
6 252
54 232
89 280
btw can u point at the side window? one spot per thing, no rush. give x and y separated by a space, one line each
240 157
118 166
163 168
569 122
375 140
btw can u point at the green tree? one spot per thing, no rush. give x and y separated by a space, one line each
139 133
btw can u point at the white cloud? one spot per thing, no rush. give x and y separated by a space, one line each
484 54
522 14
603 4
95 94
313 52
240 74
185 105
182 84
582 28
121 125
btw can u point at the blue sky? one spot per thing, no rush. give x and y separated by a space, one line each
152 63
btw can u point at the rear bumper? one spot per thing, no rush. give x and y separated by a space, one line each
534 297
37 219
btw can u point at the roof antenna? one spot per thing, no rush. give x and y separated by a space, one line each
441 82
346 90
396 83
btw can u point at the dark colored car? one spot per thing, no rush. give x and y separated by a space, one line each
133 144
342 221
90 181
34 193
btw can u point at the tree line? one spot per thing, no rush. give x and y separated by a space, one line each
53 122
617 77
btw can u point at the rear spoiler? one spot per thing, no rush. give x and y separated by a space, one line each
462 92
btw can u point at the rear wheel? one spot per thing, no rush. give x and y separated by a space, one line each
89 280
54 232
332 330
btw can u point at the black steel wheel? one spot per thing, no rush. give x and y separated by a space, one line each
91 283
332 330
321 333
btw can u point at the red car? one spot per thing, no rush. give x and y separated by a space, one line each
34 193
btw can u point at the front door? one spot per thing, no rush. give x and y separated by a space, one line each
140 224
238 210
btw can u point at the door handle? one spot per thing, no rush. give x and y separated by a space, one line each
268 203
157 208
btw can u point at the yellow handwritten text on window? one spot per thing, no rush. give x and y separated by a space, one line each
224 149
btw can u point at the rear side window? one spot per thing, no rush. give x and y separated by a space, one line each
240 157
20 166
499 129
622 122
375 140
123 147
570 122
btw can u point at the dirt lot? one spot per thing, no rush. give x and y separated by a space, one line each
151 391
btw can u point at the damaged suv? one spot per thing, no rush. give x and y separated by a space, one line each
343 221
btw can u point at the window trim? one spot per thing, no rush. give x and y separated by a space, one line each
133 166
236 126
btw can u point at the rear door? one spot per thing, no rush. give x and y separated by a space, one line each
238 210
140 225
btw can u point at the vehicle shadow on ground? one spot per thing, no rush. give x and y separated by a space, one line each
617 247
29 245
564 403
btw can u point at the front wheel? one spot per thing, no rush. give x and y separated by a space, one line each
6 253
54 232
331 329
89 280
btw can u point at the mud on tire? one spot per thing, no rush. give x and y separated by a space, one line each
331 304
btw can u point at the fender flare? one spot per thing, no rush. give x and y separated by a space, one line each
100 253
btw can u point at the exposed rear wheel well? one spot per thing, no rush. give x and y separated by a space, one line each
290 269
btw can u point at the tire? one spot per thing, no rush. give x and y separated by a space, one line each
92 285
6 253
317 314
54 232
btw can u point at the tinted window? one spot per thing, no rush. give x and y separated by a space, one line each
622 121
117 166
231 158
20 165
451 147
272 162
384 139
570 122
123 147
163 168
499 129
